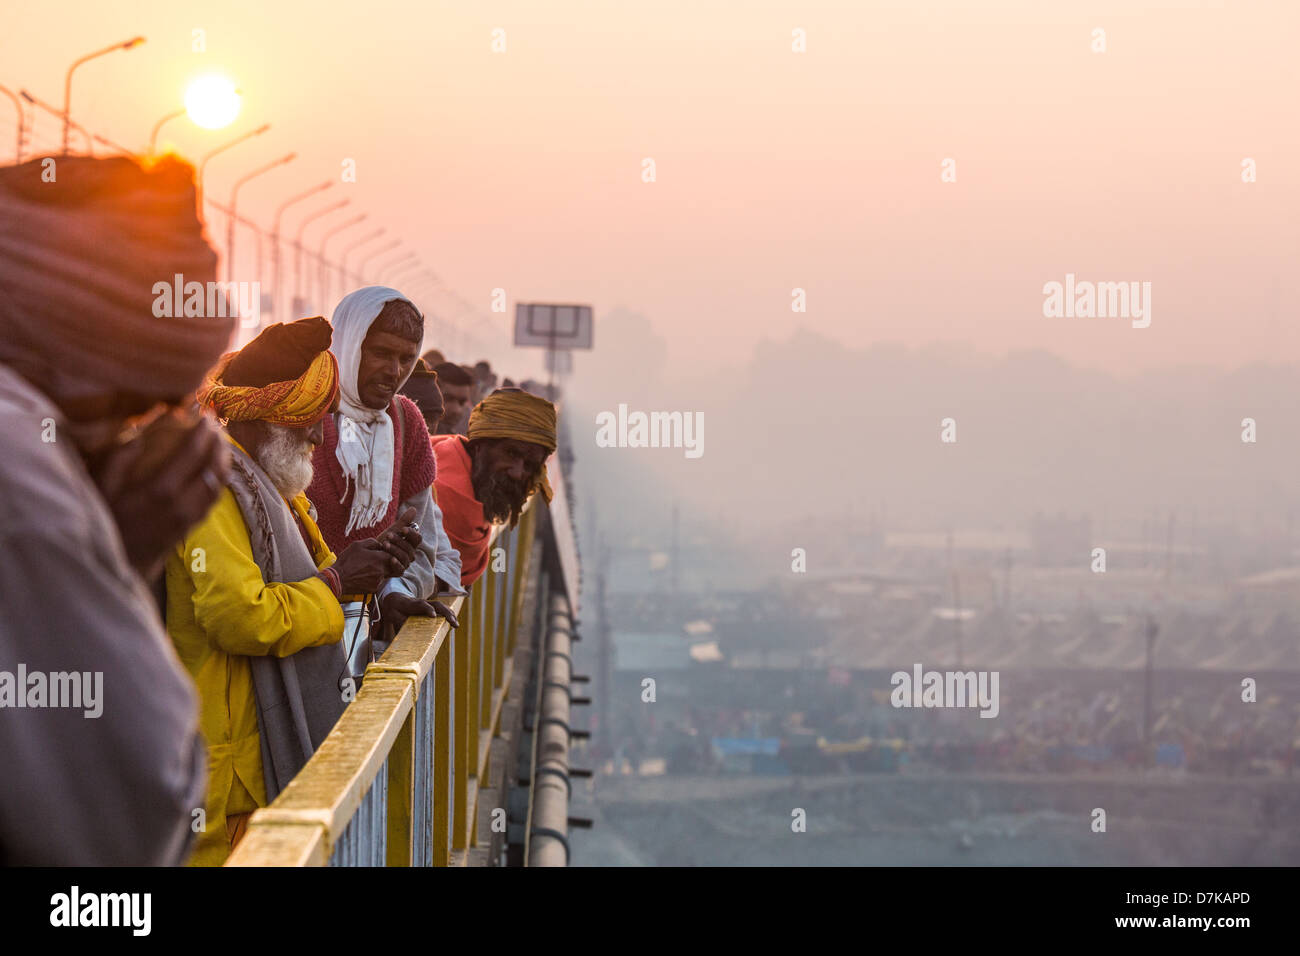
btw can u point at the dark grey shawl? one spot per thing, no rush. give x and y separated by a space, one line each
298 697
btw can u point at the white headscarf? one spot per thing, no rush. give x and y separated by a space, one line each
365 440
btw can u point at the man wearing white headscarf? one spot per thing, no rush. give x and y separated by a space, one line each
375 463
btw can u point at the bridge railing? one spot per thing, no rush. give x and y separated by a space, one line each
397 782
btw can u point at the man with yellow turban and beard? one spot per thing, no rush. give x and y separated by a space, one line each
253 593
487 477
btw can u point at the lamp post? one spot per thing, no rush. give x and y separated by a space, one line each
1151 630
234 199
153 137
399 270
297 242
18 105
203 163
275 239
53 111
369 256
419 287
200 107
67 82
369 237
385 269
324 269
423 280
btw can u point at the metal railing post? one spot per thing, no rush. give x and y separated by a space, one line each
401 791
489 643
463 641
442 755
475 679
523 551
500 612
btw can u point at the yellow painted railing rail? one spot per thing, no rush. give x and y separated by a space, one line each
397 780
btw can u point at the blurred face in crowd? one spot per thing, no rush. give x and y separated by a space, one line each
428 398
456 399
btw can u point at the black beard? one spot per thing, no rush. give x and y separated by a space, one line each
502 497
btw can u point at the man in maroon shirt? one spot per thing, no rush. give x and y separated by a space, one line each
375 464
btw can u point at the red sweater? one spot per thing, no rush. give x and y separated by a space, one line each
413 469
462 513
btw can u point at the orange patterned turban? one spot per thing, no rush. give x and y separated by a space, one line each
265 392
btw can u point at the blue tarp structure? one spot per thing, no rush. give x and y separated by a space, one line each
1170 755
747 746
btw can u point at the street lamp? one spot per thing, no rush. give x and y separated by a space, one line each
361 266
420 285
398 273
1152 629
221 149
297 261
212 102
275 239
385 268
369 237
324 268
421 278
53 111
234 199
18 105
400 269
153 137
67 82
421 289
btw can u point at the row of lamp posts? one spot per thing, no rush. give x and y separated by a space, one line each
389 270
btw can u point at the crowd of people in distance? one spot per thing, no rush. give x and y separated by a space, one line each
1063 724
227 539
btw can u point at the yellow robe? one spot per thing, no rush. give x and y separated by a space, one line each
219 612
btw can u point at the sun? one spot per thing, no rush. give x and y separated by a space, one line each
212 102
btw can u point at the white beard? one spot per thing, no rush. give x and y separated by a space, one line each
285 455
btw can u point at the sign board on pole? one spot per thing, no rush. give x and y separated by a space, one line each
553 326
559 362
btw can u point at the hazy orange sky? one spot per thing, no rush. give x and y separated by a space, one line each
775 170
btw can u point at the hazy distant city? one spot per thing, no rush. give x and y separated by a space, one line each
772 619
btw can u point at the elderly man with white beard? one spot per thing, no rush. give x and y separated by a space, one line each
253 592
